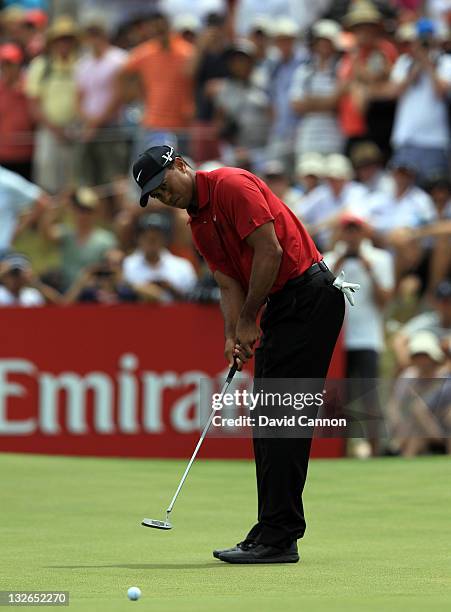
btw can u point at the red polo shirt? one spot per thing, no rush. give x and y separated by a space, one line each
232 204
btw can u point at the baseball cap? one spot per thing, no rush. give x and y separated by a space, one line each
328 29
273 167
285 26
402 162
338 167
16 261
150 168
11 53
155 221
310 164
349 218
364 153
85 198
427 343
443 291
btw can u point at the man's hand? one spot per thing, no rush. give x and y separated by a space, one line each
247 334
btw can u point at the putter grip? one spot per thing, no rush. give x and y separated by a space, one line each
232 371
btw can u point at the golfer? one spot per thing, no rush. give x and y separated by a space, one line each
260 254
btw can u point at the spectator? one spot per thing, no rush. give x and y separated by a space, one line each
421 79
201 9
101 284
102 151
242 108
436 321
281 72
315 94
209 67
154 273
321 208
12 21
162 65
405 206
302 12
52 91
19 286
277 179
35 23
16 123
368 163
373 269
419 411
84 244
21 204
187 26
363 70
309 170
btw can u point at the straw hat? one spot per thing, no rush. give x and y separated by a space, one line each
362 12
61 27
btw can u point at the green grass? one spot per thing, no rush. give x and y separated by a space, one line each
379 535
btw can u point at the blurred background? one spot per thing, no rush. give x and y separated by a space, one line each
342 107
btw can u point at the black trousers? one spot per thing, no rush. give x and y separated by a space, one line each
300 328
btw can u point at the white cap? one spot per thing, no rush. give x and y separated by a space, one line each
407 32
328 29
311 164
260 22
338 167
186 22
210 165
284 26
428 343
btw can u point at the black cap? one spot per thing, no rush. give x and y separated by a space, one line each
155 221
443 291
150 168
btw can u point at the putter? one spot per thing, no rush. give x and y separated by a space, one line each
166 524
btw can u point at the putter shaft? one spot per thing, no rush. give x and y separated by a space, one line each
230 376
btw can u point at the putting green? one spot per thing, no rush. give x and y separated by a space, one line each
378 535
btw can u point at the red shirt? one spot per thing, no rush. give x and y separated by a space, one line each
232 204
16 124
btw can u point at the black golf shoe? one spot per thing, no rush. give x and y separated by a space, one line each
261 554
245 545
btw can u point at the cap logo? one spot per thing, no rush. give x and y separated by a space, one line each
168 156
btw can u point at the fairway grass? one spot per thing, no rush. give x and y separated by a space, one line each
378 537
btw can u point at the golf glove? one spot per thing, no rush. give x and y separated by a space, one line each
347 288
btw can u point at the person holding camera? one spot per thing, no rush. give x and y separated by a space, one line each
20 287
373 269
421 82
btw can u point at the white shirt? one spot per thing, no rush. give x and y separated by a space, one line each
421 115
364 328
413 209
28 296
304 12
177 271
95 80
318 132
199 8
16 195
322 204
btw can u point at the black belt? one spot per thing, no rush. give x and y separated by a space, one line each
294 283
318 267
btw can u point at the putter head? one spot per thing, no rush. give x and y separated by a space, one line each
156 524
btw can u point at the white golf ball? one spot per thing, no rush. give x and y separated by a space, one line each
134 593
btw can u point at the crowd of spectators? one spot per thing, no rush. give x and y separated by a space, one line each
343 107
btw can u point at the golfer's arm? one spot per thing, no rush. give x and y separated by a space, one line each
232 300
265 268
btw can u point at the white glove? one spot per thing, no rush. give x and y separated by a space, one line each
347 288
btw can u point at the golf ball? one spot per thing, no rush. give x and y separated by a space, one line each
134 593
